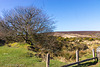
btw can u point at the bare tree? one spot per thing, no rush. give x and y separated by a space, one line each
26 22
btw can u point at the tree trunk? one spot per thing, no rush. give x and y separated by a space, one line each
26 39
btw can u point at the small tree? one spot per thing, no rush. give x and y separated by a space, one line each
26 22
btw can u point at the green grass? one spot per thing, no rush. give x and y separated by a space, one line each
18 57
90 63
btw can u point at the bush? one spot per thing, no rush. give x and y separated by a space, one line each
73 56
60 39
69 55
85 38
29 54
91 39
82 53
75 46
72 39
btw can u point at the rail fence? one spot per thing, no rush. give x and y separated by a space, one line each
77 59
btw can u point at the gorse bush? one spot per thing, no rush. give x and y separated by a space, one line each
82 52
72 47
69 55
89 39
56 46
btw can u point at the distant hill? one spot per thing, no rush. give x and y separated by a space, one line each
76 33
79 32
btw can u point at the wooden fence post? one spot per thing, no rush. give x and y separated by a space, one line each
47 60
77 55
93 51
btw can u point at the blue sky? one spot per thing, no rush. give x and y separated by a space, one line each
70 15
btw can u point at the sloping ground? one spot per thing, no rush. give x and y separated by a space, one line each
96 65
21 57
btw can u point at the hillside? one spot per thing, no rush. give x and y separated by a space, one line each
61 49
21 57
77 33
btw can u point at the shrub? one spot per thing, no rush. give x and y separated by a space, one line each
60 39
82 52
72 39
29 54
73 55
90 39
85 38
67 55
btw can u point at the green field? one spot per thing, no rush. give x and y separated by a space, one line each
19 57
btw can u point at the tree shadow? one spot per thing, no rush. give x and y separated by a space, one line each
2 42
87 64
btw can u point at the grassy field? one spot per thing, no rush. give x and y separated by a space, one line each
19 57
